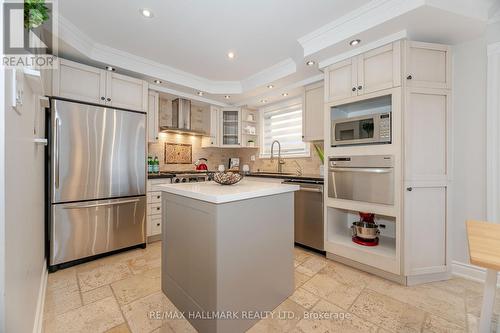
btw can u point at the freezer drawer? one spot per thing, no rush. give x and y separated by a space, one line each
85 229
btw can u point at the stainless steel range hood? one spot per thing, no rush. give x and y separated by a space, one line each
181 118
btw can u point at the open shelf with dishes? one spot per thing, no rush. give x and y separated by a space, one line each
249 128
339 240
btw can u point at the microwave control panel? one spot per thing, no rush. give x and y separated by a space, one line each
385 127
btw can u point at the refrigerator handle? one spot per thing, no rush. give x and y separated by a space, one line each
103 204
56 153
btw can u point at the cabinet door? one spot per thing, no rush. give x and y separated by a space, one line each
379 69
341 80
197 118
212 139
426 135
153 122
312 119
79 82
428 65
230 123
126 92
425 229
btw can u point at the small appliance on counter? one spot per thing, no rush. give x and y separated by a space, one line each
365 231
201 164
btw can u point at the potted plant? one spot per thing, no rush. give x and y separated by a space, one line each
321 155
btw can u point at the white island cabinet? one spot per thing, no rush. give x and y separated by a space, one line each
227 249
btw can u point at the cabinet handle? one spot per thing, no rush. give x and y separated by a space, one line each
360 87
353 88
102 98
409 189
108 99
409 77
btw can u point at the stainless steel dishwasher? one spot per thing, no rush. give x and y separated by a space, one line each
309 225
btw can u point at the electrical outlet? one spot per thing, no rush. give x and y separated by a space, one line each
252 158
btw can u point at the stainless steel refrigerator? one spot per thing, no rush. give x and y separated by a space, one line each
97 181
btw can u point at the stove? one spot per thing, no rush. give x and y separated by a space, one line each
191 176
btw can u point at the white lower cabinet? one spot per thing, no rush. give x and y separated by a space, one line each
425 224
154 208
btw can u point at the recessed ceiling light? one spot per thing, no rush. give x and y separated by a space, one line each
231 55
354 42
227 97
310 63
157 81
284 94
263 100
270 86
200 93
111 69
146 12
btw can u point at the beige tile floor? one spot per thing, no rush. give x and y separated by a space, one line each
116 294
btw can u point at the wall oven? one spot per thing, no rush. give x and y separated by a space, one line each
362 178
367 129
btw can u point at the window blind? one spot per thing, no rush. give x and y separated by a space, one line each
285 125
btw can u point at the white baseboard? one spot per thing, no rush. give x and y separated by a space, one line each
38 325
470 272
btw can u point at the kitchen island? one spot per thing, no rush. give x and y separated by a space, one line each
227 254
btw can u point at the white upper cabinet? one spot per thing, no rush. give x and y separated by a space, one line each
428 65
371 71
93 85
313 117
341 80
79 82
379 69
153 114
126 92
230 127
426 134
212 120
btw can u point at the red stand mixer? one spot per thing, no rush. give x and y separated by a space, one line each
365 232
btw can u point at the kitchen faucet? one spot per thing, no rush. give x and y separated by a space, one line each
280 161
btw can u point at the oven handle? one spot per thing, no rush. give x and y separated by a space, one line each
365 170
311 189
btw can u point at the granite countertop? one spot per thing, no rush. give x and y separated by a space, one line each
216 193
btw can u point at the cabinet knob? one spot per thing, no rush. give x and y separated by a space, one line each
353 88
102 98
157 224
409 189
360 87
156 138
409 77
108 99
158 197
157 208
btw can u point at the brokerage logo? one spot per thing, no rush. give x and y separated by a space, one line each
29 38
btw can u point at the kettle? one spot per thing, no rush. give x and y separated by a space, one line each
201 164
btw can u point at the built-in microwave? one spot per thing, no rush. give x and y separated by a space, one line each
367 129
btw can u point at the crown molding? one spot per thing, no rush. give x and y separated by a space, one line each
270 74
278 92
193 97
372 14
121 59
364 48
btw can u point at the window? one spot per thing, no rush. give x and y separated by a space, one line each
283 123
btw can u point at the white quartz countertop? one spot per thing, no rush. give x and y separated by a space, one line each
216 193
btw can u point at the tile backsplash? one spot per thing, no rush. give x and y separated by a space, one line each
216 156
